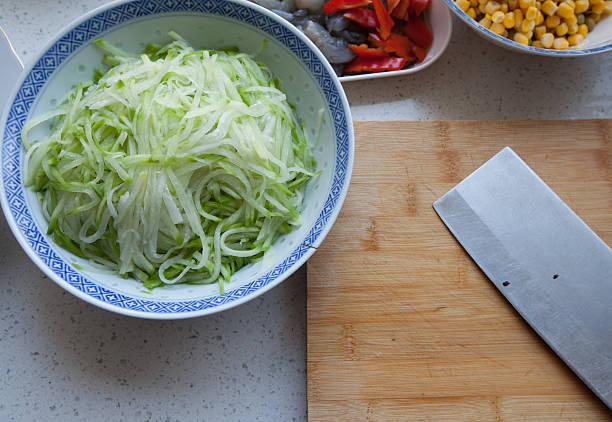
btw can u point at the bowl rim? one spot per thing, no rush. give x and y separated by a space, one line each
417 67
308 251
524 48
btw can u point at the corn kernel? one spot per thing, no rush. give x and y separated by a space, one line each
570 3
512 4
527 25
575 39
531 13
463 4
596 2
539 31
529 35
518 14
481 8
509 20
504 7
524 4
536 43
598 8
498 17
497 28
581 6
572 20
565 10
518 18
492 7
474 3
560 44
471 12
552 21
607 9
580 19
583 30
539 18
590 22
538 5
561 30
549 7
485 22
489 17
521 38
596 17
547 40
572 29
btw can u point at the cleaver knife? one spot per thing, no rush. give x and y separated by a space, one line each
554 270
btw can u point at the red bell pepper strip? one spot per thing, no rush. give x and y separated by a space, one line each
417 31
366 18
400 45
374 64
396 43
333 6
419 52
385 21
392 4
401 11
363 50
417 6
376 39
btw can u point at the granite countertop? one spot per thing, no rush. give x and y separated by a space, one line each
63 359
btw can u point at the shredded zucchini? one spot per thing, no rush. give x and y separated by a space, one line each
175 166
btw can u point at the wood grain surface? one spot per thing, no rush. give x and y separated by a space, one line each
402 325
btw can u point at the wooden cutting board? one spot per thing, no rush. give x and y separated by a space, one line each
402 325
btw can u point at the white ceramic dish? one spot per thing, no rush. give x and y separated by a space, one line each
439 20
597 41
310 84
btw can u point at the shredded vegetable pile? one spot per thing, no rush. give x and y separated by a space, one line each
175 166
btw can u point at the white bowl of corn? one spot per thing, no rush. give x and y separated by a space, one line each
543 27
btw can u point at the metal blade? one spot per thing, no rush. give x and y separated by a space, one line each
554 270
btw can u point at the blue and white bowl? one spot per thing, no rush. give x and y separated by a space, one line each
597 41
310 84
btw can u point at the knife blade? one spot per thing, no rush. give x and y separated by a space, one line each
554 270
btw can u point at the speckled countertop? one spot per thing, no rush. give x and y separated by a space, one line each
63 359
